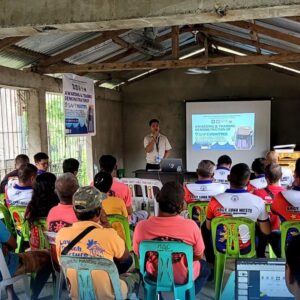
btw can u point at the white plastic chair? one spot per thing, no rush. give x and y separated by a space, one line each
8 280
147 187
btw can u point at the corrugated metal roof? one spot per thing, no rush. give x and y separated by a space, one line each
30 50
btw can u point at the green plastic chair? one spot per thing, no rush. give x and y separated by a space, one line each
202 205
165 277
232 245
288 228
21 225
84 267
6 218
2 198
124 222
268 210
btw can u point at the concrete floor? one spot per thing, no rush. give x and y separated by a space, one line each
47 294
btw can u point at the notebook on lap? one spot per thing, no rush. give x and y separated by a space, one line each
261 279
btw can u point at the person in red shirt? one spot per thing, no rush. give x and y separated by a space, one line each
273 174
286 205
169 225
235 202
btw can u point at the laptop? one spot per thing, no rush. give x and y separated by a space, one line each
171 165
261 279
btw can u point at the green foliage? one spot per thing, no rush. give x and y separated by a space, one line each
60 146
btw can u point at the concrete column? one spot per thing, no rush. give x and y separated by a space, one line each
37 129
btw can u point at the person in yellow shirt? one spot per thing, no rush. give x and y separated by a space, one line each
112 205
101 241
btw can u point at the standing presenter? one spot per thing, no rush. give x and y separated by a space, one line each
156 145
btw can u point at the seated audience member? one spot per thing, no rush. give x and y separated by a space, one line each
268 194
43 199
63 214
101 241
169 225
41 161
204 188
259 181
235 202
292 270
71 165
287 206
112 205
108 164
223 169
28 262
21 159
20 194
287 175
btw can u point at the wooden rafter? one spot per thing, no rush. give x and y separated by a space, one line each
175 64
218 33
121 42
267 31
175 42
7 42
79 48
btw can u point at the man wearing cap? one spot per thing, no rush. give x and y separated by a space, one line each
101 241
156 145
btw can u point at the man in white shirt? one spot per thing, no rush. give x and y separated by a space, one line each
156 145
223 169
20 194
287 178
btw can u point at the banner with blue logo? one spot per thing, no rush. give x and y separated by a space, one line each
79 104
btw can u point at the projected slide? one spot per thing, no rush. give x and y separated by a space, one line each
223 131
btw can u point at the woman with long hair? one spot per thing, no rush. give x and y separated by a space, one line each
43 199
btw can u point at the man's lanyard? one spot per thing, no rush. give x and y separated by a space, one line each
157 145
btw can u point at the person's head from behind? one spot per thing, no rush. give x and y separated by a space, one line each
71 165
87 203
27 175
21 159
154 126
108 163
224 161
171 199
273 173
43 197
239 176
41 161
103 182
258 166
206 169
292 269
65 186
271 157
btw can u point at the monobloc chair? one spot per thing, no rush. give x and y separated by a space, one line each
231 236
21 225
288 229
112 219
165 277
6 218
201 206
84 266
7 279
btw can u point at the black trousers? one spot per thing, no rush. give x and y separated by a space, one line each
152 167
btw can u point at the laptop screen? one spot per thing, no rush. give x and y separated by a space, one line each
261 279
